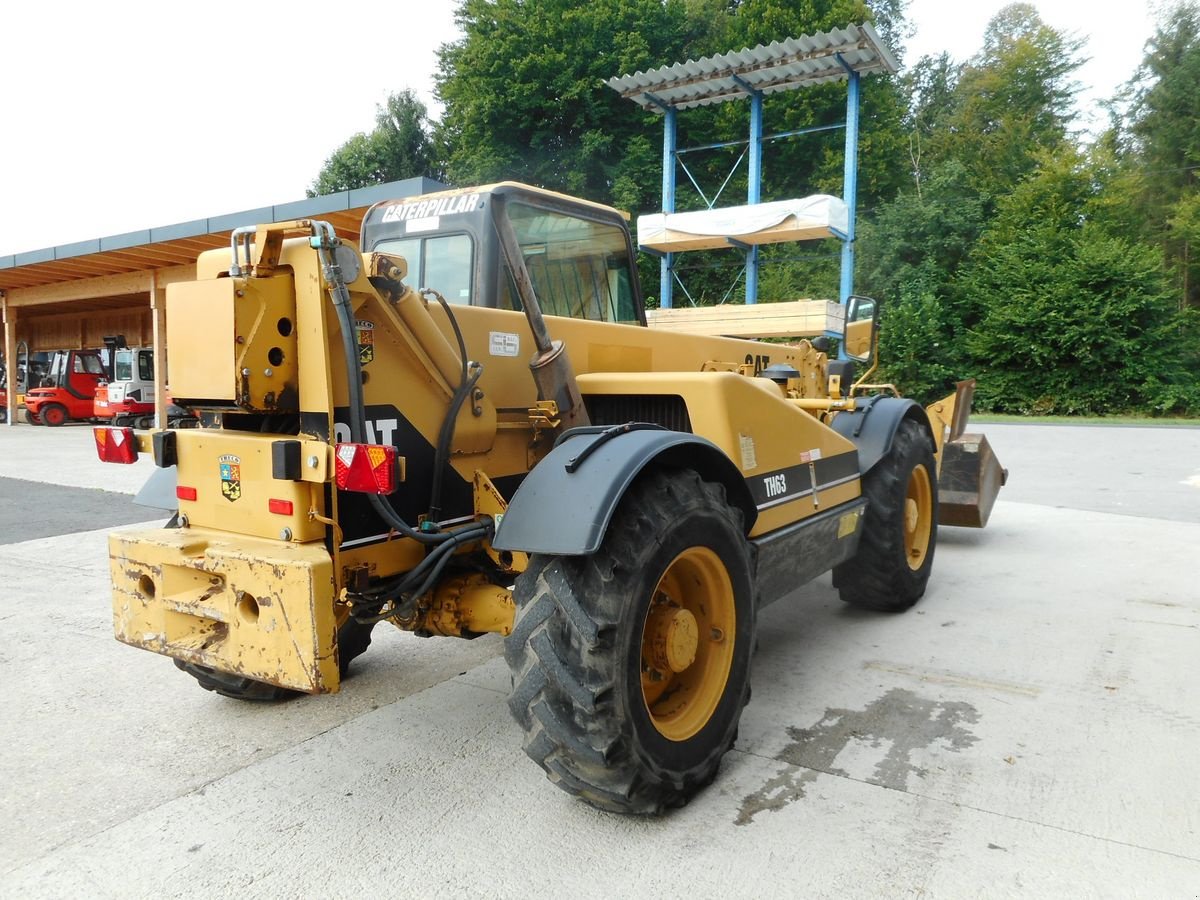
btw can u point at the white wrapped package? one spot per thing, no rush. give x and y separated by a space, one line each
803 219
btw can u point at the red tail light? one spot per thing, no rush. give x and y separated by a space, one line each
116 445
185 493
365 468
280 507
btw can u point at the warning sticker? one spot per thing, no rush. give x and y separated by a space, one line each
749 457
502 343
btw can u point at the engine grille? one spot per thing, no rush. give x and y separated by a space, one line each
667 410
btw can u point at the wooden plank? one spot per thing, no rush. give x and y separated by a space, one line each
669 241
104 286
795 318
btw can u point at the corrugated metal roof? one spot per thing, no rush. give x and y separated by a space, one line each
180 244
781 66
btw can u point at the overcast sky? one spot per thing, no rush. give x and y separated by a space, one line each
132 114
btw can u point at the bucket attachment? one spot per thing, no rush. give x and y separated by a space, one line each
968 481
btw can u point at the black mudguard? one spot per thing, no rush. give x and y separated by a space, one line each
564 505
873 426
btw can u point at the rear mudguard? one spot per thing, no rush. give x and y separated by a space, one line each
564 505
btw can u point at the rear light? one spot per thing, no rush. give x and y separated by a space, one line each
185 493
365 468
115 445
281 507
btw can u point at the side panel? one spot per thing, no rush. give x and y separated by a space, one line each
794 466
793 556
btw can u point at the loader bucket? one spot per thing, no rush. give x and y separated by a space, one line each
968 481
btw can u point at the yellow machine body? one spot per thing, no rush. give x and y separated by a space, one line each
255 582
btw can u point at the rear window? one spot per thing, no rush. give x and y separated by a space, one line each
443 262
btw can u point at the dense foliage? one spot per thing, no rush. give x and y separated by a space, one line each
1060 269
400 146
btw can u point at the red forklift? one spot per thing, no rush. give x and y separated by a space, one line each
69 389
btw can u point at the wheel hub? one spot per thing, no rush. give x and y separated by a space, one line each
911 516
674 639
688 643
918 517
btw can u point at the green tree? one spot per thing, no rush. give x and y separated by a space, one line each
911 255
975 132
400 146
1164 132
1012 102
1074 319
525 98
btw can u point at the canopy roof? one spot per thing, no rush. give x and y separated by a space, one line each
180 244
781 66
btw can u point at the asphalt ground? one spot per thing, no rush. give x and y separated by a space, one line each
1029 729
31 509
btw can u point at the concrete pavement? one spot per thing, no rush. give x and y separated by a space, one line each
1030 728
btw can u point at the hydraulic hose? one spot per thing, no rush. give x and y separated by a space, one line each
325 242
466 386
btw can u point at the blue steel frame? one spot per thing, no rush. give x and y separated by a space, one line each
671 154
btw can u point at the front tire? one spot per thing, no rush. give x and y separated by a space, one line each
895 553
631 666
54 414
31 419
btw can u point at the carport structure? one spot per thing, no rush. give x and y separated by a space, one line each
71 296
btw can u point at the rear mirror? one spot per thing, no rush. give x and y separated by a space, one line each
862 322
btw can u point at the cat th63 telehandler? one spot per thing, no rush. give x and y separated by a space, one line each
515 452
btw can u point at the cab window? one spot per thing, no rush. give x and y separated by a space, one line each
123 367
87 363
443 262
579 268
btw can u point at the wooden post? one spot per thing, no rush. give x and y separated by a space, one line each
10 360
158 310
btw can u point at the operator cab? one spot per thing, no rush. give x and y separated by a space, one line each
66 366
579 255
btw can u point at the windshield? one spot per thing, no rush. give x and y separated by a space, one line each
579 268
89 364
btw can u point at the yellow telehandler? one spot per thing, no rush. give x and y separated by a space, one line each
464 426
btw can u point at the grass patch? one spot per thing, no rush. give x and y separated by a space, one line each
1142 421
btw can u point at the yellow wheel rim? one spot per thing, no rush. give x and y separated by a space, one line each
918 517
687 643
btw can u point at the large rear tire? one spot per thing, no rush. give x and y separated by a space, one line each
353 640
631 666
895 554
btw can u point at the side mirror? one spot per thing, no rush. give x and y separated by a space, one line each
862 325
